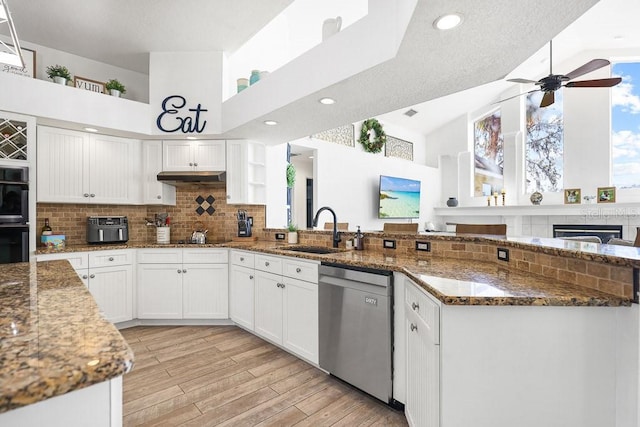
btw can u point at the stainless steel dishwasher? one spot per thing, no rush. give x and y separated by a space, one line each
356 325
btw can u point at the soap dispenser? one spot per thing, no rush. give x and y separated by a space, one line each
358 241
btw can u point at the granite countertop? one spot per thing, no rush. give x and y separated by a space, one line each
53 339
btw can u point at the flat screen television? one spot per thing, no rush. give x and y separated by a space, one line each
399 197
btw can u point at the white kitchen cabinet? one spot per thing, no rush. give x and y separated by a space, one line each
76 167
241 288
178 283
155 192
286 308
204 155
246 172
109 277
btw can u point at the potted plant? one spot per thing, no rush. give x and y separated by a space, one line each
291 175
115 87
293 233
58 73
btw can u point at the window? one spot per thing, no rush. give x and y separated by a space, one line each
488 151
625 125
544 144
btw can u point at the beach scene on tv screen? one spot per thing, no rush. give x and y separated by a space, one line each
399 197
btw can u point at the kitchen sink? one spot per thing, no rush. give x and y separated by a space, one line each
311 249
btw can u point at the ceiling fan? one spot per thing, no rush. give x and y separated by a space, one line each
553 82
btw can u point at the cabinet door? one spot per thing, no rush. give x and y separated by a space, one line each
268 306
422 406
209 155
111 170
112 288
177 156
241 296
205 291
237 172
159 291
62 166
154 192
300 318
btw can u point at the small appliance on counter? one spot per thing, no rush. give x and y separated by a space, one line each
107 229
244 224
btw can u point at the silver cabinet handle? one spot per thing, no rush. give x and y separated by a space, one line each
298 270
85 277
414 327
280 285
179 271
241 259
93 195
266 264
195 164
228 196
92 276
85 195
184 270
110 258
159 197
250 277
415 306
190 163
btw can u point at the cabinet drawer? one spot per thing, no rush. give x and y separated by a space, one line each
269 263
110 258
160 256
301 270
205 256
428 311
78 260
245 259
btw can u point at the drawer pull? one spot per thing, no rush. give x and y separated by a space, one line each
179 271
250 277
195 164
85 277
298 270
415 306
414 327
241 259
266 263
184 270
110 258
92 195
159 197
86 194
92 276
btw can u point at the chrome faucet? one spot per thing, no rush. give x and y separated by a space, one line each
336 235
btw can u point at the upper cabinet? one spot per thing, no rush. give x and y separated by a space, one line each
246 172
193 155
76 167
16 131
154 192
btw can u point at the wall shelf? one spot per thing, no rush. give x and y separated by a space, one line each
587 209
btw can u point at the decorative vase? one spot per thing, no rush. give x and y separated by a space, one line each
114 92
293 237
255 76
243 83
452 202
330 27
60 80
536 198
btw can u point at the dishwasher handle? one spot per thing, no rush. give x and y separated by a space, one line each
381 290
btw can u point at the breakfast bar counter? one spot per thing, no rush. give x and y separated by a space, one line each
53 339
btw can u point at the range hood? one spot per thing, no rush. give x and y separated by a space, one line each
217 178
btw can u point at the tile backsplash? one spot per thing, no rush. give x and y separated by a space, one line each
218 217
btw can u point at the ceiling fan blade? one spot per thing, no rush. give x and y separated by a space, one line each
548 99
515 96
595 83
592 65
521 81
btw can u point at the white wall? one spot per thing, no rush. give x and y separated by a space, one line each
304 171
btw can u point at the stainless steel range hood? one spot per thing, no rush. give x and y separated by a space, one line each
216 178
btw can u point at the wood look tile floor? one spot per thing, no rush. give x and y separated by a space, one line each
225 376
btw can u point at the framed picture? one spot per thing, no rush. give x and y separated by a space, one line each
29 57
572 196
606 194
88 84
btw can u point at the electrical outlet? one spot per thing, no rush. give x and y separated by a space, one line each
423 246
389 244
250 219
279 236
503 254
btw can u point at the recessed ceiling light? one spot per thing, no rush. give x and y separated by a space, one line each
448 21
327 101
270 122
191 137
91 129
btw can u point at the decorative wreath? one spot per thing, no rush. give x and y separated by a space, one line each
372 145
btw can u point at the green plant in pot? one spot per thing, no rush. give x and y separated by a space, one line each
59 74
115 88
293 233
291 175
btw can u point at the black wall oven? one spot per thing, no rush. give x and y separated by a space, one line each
14 214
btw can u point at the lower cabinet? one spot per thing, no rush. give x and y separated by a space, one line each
169 288
241 296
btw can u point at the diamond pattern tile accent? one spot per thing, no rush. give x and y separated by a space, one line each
202 201
199 200
210 210
210 199
199 210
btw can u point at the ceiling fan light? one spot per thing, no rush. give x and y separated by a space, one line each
448 21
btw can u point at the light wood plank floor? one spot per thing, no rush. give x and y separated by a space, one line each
225 376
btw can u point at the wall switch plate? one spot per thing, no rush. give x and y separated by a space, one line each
503 254
279 236
389 244
423 246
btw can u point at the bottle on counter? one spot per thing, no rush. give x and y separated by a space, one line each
46 228
358 240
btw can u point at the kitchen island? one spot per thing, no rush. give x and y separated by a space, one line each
61 362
